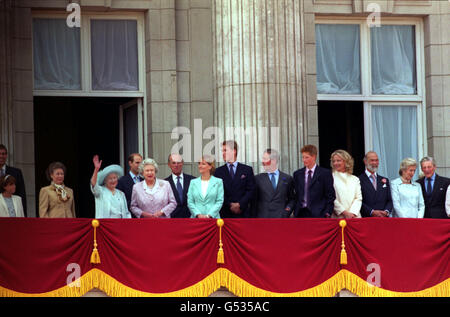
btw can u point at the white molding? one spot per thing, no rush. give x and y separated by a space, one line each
80 93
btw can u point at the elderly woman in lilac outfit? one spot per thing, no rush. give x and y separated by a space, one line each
153 197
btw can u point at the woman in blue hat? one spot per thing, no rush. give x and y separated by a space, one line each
110 202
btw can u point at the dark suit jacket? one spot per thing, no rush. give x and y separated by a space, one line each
321 193
20 185
240 190
379 199
271 203
182 210
126 184
435 205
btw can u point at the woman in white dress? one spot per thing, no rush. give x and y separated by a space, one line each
10 204
347 186
406 194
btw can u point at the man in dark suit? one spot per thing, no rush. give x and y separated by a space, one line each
274 196
239 184
16 173
127 181
179 182
376 191
434 189
314 189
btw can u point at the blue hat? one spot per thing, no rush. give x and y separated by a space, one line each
108 170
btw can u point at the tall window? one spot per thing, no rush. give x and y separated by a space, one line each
56 55
380 66
103 56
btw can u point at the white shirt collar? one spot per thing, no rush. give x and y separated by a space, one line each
312 169
175 178
369 173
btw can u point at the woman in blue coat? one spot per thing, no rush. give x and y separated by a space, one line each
205 194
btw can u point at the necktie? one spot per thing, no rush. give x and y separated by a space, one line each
232 171
374 181
308 183
179 189
429 189
1 172
272 180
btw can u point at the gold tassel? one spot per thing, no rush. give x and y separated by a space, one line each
220 255
343 261
95 256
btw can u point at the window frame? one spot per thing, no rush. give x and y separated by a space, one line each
85 52
368 135
419 99
365 60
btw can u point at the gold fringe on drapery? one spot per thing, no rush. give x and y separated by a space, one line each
224 278
95 256
220 255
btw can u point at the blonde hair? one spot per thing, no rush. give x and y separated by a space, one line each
407 162
211 162
348 160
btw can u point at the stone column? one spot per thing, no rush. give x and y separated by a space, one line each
259 70
437 82
5 74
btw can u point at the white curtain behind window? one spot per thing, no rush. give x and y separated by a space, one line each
394 131
393 60
114 55
338 60
56 55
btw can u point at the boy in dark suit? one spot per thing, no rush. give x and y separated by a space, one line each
314 189
239 184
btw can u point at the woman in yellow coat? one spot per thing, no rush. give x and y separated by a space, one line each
56 200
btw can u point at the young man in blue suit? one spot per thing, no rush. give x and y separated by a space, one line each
239 184
179 182
314 191
376 192
127 181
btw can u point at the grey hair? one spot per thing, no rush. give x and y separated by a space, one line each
407 162
148 161
428 159
367 154
273 154
170 157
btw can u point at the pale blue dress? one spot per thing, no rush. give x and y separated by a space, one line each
407 199
108 205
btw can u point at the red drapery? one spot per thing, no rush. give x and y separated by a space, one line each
263 257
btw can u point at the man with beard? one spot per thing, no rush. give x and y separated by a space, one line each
376 192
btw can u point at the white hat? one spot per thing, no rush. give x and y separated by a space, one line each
108 170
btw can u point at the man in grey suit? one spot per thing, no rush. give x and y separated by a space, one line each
274 196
